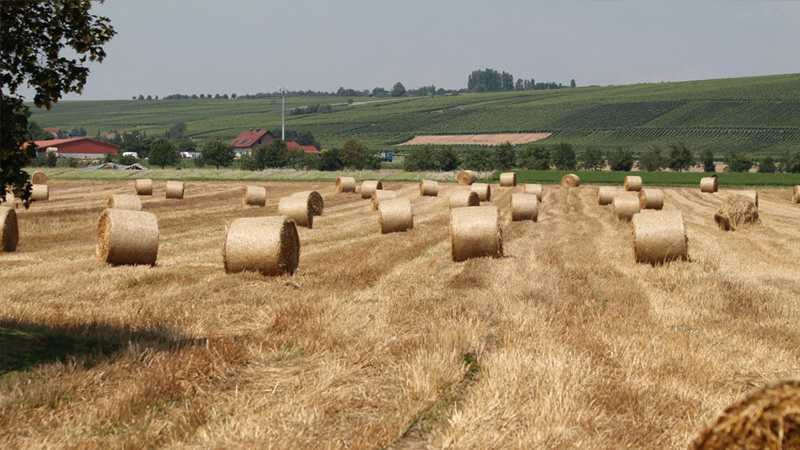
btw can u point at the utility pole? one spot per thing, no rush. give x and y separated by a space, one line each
283 90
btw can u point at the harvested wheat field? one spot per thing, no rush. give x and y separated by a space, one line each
381 340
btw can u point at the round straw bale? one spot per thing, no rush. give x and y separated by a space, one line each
475 232
269 245
125 201
508 179
314 197
299 209
39 177
651 199
752 195
395 215
633 183
370 186
768 418
708 184
625 206
175 189
143 186
254 196
127 237
524 207
570 180
345 184
9 232
606 194
736 211
428 188
659 236
483 190
535 189
796 194
464 198
380 195
40 192
467 177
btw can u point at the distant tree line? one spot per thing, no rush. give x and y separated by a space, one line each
490 80
563 156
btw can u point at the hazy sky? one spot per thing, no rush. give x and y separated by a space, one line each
166 47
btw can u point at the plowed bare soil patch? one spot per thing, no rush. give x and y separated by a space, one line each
477 139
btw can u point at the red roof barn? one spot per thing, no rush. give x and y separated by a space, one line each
84 148
248 141
306 148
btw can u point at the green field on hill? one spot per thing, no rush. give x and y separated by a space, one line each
755 115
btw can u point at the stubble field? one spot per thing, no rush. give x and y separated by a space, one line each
381 341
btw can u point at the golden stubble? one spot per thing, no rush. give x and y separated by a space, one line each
577 345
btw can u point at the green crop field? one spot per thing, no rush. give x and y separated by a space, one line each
755 115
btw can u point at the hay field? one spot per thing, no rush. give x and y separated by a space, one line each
381 341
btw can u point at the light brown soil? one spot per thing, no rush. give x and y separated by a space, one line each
477 139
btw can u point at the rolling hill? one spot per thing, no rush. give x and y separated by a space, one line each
755 115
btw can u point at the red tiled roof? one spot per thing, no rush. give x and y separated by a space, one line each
306 148
77 145
248 138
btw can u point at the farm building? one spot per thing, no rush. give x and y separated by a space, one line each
306 148
248 141
81 148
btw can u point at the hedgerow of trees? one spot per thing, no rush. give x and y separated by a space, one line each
34 36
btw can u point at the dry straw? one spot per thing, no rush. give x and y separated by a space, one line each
736 211
796 194
395 215
625 206
175 189
752 195
461 199
535 189
768 418
379 196
345 184
370 186
606 194
659 236
467 177
39 177
314 197
508 179
709 184
254 196
570 180
651 199
269 245
483 190
475 232
633 183
143 186
299 209
524 207
8 229
127 237
125 201
428 188
40 192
